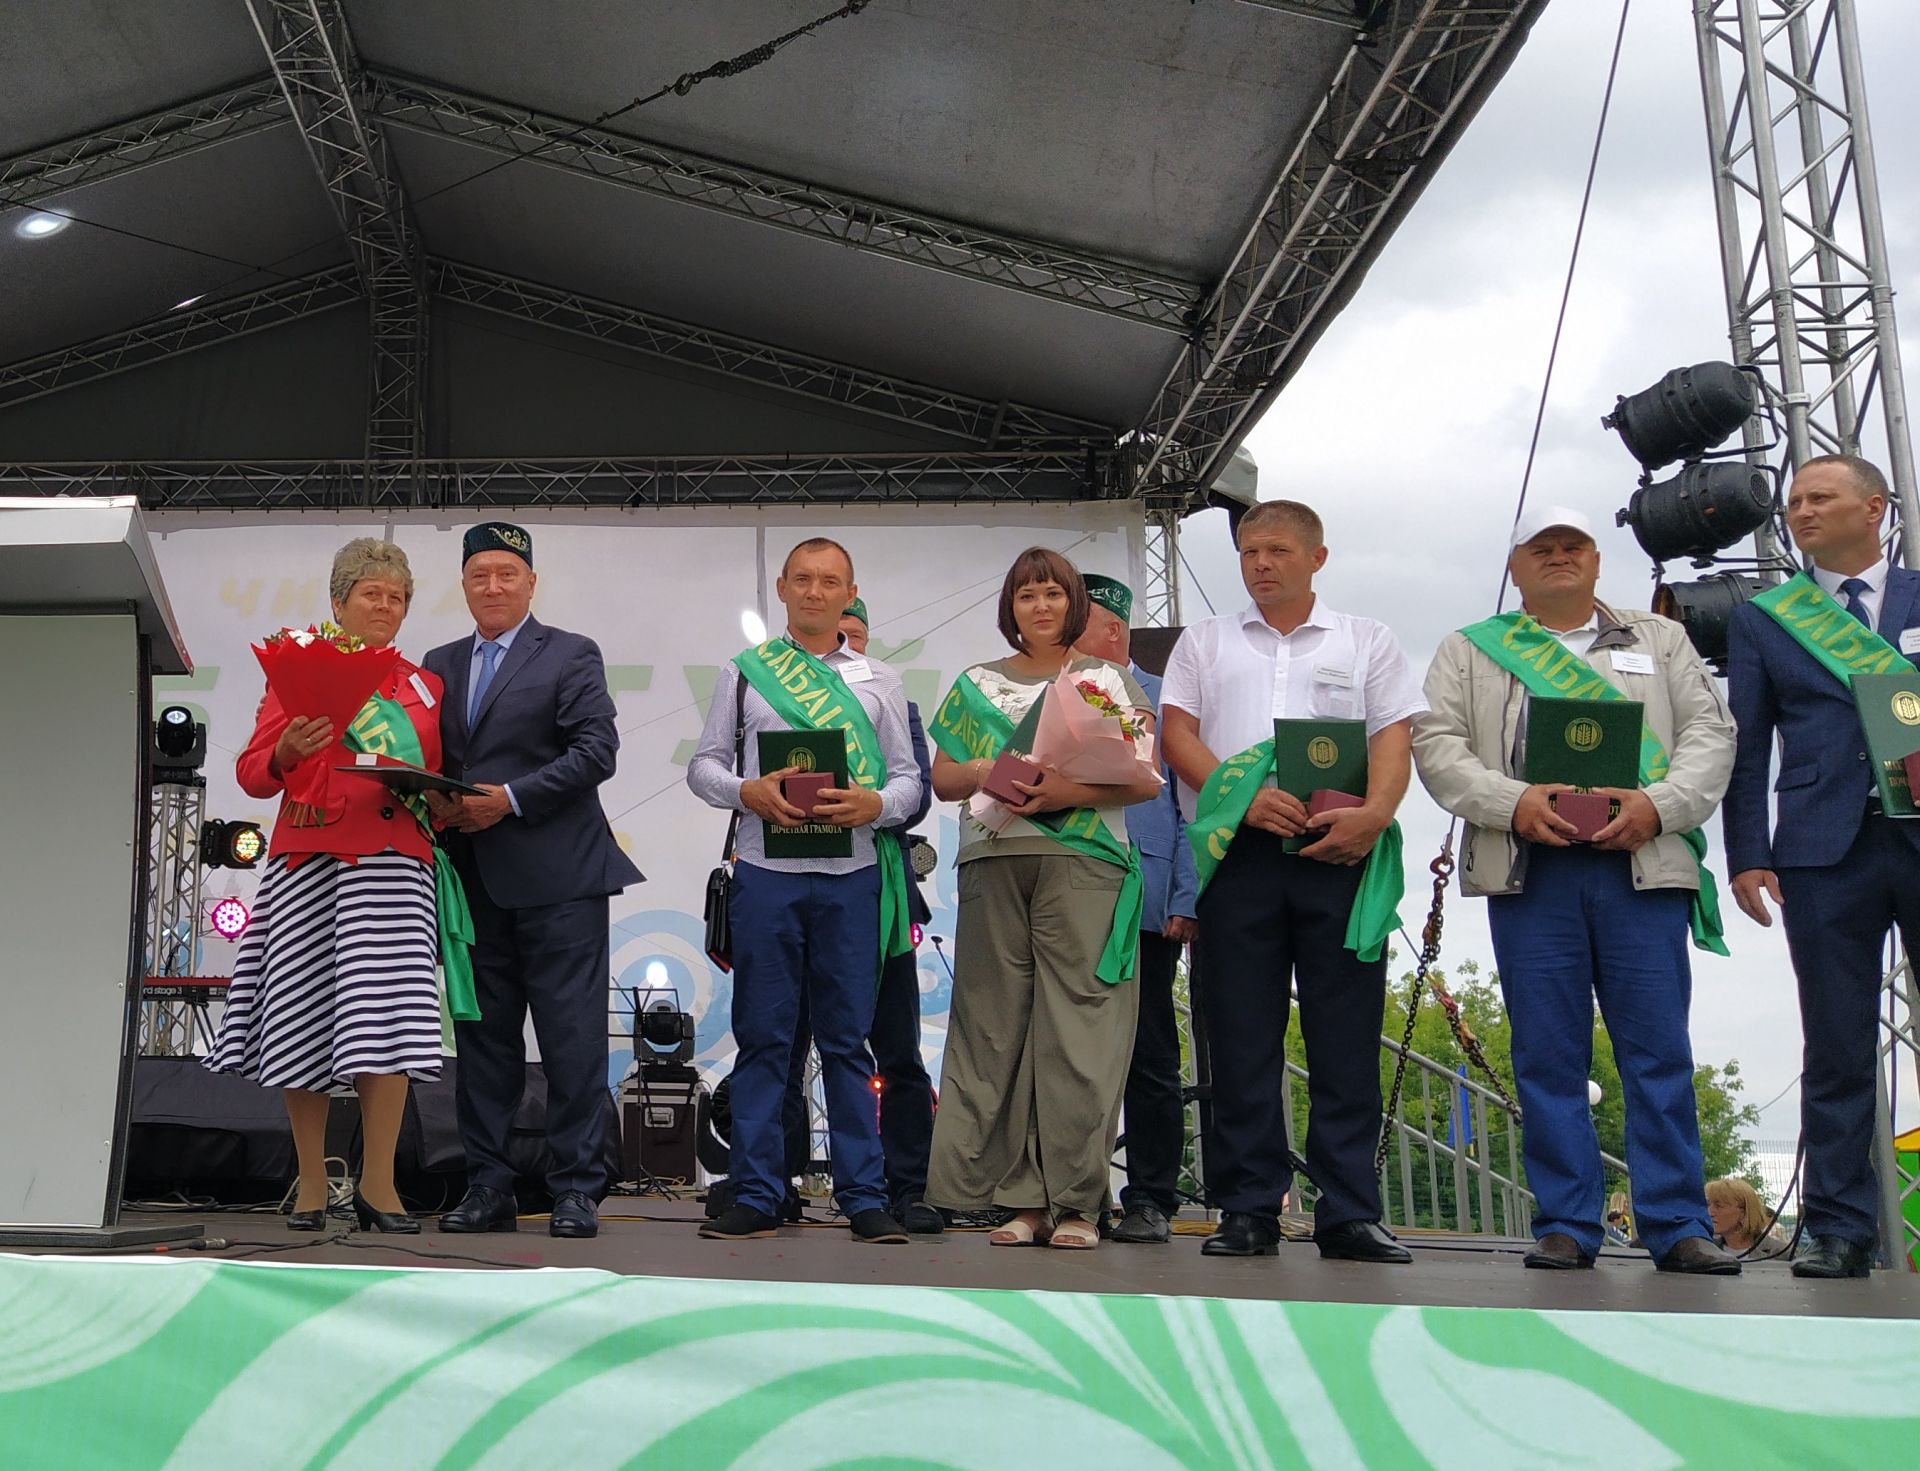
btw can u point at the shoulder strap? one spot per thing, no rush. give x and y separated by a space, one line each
739 755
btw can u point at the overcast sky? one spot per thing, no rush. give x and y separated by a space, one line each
1408 427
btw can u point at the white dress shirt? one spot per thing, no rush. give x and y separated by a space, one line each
505 641
1237 674
1577 641
1875 578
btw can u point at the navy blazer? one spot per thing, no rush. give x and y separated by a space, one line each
917 908
1166 857
546 724
1776 686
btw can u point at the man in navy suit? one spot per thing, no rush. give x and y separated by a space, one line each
1840 871
1153 1115
528 719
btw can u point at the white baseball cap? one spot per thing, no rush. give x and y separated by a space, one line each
1534 521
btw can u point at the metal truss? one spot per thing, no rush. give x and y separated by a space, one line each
1349 13
984 422
315 65
174 885
1802 242
1032 266
178 332
1403 93
969 478
173 132
1899 1047
1160 598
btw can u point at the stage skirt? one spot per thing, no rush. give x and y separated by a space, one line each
335 976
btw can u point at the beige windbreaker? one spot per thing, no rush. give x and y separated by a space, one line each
1468 747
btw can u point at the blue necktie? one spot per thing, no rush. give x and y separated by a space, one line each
1854 589
489 656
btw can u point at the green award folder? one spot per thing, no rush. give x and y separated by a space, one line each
1584 743
1318 755
810 750
1889 707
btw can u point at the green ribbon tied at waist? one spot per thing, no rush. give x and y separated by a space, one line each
383 728
809 695
1221 807
970 727
1548 668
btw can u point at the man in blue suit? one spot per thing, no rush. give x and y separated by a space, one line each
1840 870
529 720
1152 1114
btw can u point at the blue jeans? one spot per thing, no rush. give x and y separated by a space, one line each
1581 930
819 933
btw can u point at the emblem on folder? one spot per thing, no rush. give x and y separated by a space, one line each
800 758
1322 752
1906 707
1584 735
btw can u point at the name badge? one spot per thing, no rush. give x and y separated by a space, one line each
1340 678
1625 661
855 671
1910 641
420 689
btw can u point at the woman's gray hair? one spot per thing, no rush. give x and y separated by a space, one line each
364 557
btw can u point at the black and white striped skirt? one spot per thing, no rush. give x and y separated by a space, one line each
335 976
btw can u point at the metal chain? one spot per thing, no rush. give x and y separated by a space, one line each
1442 870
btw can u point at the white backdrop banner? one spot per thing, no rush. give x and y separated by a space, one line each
663 593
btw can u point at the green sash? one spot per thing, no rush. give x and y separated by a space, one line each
1825 629
1547 667
1221 806
970 727
808 695
383 728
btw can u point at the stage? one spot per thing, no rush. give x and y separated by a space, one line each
652 1347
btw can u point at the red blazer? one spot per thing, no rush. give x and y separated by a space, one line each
375 820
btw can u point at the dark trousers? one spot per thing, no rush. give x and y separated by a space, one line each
816 935
550 960
1580 930
906 1090
1269 917
1837 920
1154 1121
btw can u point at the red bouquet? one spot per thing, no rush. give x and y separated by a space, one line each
320 671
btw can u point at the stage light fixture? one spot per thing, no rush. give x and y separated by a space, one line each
914 935
174 732
1688 412
41 226
229 918
178 748
1705 609
231 844
662 1029
1702 510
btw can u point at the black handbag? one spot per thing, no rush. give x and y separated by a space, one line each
719 908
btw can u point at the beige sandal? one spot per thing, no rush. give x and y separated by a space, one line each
1029 1228
1075 1233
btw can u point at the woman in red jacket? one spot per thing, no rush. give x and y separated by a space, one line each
334 984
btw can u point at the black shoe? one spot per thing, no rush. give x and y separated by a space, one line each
1557 1252
793 1209
921 1219
1831 1256
1142 1225
1240 1233
314 1220
1698 1255
876 1227
393 1223
574 1214
1360 1241
483 1210
740 1223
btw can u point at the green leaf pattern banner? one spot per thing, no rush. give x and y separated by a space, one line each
130 1365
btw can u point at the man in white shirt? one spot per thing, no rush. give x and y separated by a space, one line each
1269 919
1606 918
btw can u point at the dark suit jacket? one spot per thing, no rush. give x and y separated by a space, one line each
917 909
1169 885
1774 685
546 725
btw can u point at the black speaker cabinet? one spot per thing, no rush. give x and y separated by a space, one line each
659 1115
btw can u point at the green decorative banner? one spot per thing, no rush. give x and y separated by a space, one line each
131 1365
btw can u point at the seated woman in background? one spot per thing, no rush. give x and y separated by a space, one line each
334 984
1739 1219
1038 1039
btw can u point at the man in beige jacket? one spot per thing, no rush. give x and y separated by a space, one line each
1607 918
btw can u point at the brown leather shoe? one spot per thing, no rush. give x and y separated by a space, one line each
1698 1255
1557 1252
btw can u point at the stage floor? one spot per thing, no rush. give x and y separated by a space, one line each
654 1238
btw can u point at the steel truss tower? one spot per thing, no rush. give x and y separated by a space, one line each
1803 252
174 883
